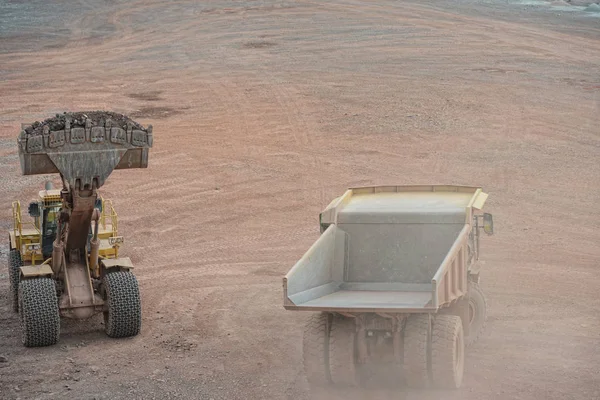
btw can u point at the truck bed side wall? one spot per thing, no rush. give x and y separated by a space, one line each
320 271
450 281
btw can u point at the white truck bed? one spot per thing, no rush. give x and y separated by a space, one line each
387 249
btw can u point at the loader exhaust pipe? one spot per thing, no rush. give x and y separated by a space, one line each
58 247
57 256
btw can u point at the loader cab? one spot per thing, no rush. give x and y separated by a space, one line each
49 225
46 212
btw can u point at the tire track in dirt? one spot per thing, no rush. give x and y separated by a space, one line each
303 129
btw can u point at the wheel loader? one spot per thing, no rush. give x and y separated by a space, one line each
64 261
392 284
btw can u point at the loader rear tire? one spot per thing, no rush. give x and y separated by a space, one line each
477 313
447 352
123 311
40 318
342 346
14 275
315 349
416 351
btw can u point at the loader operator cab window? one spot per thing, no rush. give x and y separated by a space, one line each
50 220
49 227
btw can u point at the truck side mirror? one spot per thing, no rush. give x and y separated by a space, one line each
322 226
488 224
34 210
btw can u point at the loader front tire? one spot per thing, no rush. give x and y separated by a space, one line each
123 311
342 365
40 318
14 263
416 351
447 352
477 313
315 349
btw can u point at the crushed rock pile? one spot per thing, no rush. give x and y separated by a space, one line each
97 118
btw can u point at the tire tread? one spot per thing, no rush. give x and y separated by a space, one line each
14 263
124 316
40 318
474 336
342 364
446 331
315 349
416 343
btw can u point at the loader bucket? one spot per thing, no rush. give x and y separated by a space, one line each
84 150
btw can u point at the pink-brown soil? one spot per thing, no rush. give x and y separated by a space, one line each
263 111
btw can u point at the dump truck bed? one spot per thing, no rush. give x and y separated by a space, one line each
387 249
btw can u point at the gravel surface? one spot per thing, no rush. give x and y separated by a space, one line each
263 113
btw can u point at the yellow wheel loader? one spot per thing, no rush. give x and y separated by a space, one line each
64 261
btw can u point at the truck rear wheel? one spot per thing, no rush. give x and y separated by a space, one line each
123 311
447 352
342 365
40 319
315 349
416 343
477 313
14 263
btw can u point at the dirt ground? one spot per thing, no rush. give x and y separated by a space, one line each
264 111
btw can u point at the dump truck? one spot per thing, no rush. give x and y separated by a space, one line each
392 282
64 260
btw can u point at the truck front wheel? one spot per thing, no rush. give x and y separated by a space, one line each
477 313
